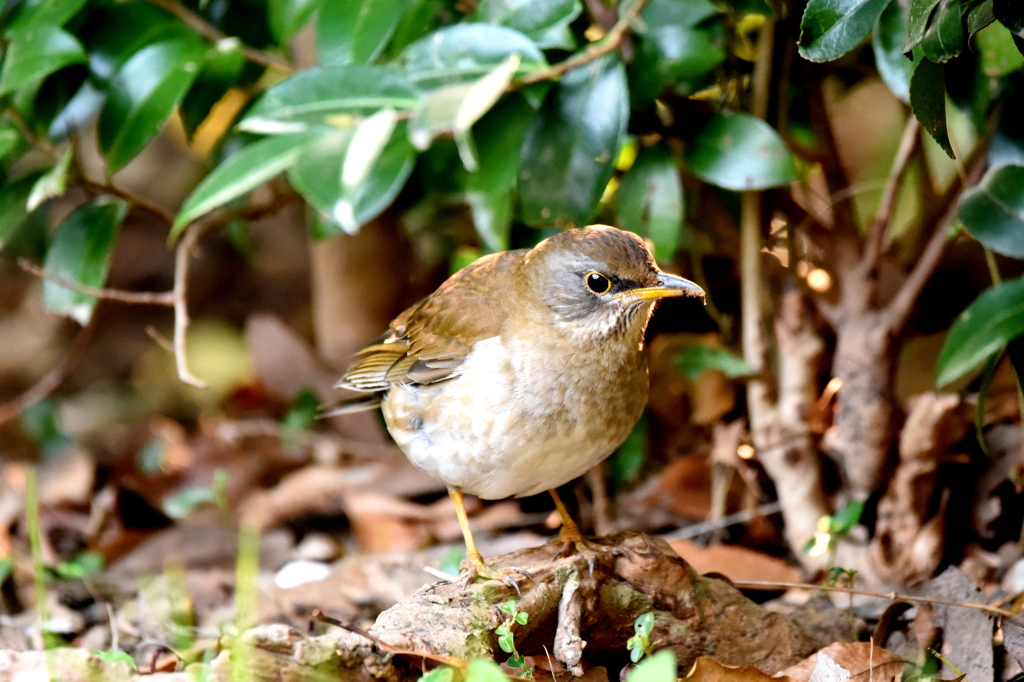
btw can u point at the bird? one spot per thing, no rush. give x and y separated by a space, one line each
521 371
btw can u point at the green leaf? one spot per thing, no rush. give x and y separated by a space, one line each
355 31
34 53
546 22
944 37
80 252
327 94
644 624
52 183
661 667
928 102
625 463
115 33
831 28
286 17
14 206
650 200
445 674
740 152
887 41
920 18
489 190
987 325
569 152
843 521
35 13
675 54
482 670
455 108
700 358
993 210
10 139
317 174
114 657
466 52
143 95
79 566
253 165
6 564
221 71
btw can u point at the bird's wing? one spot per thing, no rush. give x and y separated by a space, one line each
429 341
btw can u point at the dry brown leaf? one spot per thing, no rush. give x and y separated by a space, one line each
736 563
865 661
707 669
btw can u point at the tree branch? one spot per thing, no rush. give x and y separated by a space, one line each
132 297
612 40
880 224
898 311
181 318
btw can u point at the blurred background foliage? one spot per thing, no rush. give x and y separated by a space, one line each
327 162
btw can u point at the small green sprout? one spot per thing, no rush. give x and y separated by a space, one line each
640 644
506 639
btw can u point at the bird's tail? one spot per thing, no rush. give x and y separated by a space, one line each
361 403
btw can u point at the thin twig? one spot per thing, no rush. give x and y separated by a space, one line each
897 312
133 297
109 188
52 379
611 41
181 318
201 26
894 596
883 216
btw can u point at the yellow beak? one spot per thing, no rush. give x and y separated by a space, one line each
671 285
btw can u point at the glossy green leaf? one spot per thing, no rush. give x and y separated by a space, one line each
221 70
355 31
318 171
253 165
1011 15
740 152
444 674
978 15
569 152
993 210
465 52
34 13
52 183
987 325
661 667
143 94
80 252
364 148
14 206
920 18
650 200
928 102
10 140
115 33
677 56
887 42
944 37
328 94
546 22
697 359
286 17
453 109
489 190
34 53
831 28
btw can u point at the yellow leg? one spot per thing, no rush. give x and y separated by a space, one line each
460 510
570 532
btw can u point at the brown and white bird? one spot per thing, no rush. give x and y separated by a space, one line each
523 370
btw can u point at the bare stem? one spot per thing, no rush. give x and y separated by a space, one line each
883 217
181 318
611 42
133 297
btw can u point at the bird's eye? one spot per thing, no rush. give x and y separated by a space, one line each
598 283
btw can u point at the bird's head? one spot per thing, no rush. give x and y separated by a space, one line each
599 281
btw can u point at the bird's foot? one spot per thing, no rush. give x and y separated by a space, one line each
573 542
478 568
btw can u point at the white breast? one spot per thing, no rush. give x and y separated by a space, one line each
485 433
